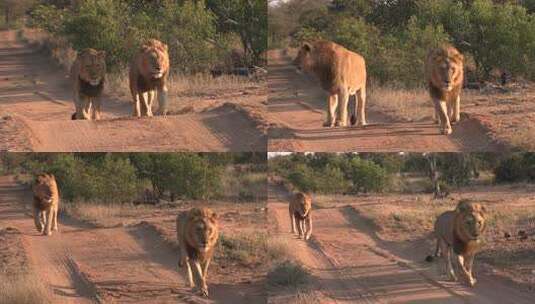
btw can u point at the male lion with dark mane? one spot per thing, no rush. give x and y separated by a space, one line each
45 203
300 208
148 76
460 233
88 74
341 73
444 75
197 232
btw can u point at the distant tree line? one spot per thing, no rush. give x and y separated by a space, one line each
394 36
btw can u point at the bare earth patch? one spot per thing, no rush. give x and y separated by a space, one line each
18 284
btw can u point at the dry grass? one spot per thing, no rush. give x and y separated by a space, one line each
104 215
288 274
244 185
404 104
252 248
23 289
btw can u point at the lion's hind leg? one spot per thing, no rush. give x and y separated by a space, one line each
331 111
361 107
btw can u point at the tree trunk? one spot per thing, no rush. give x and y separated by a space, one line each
434 176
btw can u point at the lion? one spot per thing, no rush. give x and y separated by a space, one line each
444 74
341 73
45 203
197 232
148 74
88 74
300 208
460 232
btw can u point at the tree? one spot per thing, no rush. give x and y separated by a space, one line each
247 18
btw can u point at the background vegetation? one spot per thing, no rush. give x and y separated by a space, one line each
200 33
394 36
128 177
330 173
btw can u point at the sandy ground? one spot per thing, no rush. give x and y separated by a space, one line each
296 106
35 110
122 264
350 264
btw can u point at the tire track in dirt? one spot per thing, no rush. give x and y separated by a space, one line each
296 107
83 264
35 92
366 272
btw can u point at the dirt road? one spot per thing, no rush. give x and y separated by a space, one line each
82 264
36 105
296 106
349 265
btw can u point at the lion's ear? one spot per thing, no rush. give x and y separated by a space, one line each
165 47
483 209
307 47
102 54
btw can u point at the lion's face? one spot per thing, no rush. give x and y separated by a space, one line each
155 60
303 61
93 66
43 187
447 69
303 205
202 229
471 221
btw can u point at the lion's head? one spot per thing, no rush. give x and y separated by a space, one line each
445 67
303 204
44 187
202 229
304 59
154 59
470 220
92 66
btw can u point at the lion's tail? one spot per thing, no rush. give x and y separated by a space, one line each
431 258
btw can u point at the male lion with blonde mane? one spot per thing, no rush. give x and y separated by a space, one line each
300 208
45 203
197 232
88 74
460 233
444 75
341 73
148 76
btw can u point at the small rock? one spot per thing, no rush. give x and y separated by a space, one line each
506 235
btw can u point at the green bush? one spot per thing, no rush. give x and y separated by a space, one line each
186 175
368 176
517 168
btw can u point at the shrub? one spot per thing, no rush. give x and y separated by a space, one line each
368 176
288 274
516 168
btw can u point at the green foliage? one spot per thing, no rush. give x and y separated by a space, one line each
518 167
331 173
198 37
186 175
367 176
395 36
114 180
248 19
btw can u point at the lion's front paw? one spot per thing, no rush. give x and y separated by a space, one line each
447 131
204 291
340 124
472 282
328 124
